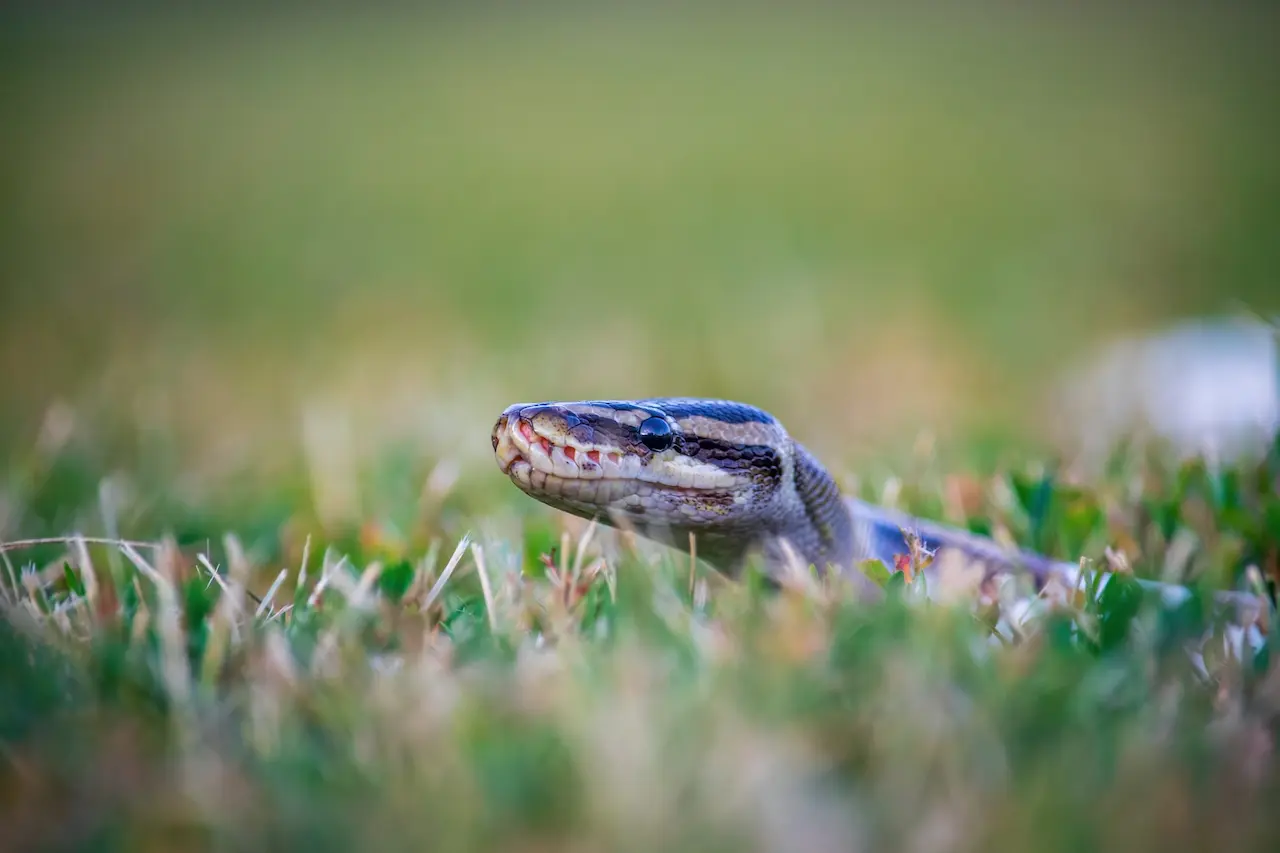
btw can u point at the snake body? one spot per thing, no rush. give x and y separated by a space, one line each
726 479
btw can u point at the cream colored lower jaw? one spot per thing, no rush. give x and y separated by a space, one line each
598 491
541 484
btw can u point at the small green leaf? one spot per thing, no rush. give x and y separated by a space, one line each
876 571
1117 607
74 583
1271 519
395 579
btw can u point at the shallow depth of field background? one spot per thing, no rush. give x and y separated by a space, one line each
230 236
267 279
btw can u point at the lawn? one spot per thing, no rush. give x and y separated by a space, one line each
268 279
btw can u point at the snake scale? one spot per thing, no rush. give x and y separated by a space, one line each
728 480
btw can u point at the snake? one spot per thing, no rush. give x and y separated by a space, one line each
726 481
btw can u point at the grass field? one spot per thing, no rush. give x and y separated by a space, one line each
269 278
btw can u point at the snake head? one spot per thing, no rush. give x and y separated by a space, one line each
677 465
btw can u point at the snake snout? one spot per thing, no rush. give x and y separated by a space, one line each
498 429
507 451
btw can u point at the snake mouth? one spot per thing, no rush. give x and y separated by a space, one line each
518 442
540 457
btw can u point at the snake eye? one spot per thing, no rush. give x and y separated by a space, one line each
656 434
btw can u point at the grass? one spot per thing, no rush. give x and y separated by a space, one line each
554 685
267 280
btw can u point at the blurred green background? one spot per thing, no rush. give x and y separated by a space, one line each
873 220
268 277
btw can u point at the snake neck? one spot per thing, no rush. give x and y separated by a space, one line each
833 532
816 522
810 525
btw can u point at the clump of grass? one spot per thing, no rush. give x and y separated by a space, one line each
563 686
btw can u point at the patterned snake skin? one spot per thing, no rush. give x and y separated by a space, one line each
730 475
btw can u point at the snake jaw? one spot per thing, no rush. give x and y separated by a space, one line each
552 441
517 440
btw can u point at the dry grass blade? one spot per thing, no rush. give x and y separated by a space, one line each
265 605
302 567
322 584
88 576
693 561
477 553
449 567
583 542
12 577
177 677
215 576
360 596
19 544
